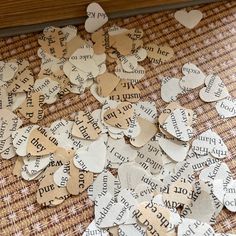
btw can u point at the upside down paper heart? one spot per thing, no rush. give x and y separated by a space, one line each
215 89
193 77
210 142
96 17
93 159
188 19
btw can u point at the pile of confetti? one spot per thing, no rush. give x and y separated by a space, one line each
147 174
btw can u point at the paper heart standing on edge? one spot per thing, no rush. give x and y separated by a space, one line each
96 17
188 19
215 89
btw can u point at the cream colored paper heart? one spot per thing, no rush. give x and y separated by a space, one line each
85 126
120 116
188 19
125 91
226 107
106 83
40 143
159 54
7 71
193 77
215 89
96 17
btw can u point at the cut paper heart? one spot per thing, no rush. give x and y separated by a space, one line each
210 142
106 84
175 149
6 100
134 229
170 89
92 229
148 130
159 54
31 108
41 143
118 151
7 71
193 77
226 107
125 91
62 175
230 196
49 88
188 19
85 126
215 89
194 227
119 117
70 32
93 159
176 124
146 110
96 17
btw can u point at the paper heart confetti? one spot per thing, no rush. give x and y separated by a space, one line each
96 17
193 77
93 159
7 71
40 143
188 19
31 108
230 196
159 54
210 142
215 89
120 116
226 107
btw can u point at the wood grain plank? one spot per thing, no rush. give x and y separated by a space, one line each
29 12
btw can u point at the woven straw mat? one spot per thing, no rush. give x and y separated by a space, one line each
209 46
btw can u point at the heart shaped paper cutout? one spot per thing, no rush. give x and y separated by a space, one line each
210 142
93 159
226 107
230 196
193 77
177 125
188 19
40 143
120 116
125 91
159 54
106 83
7 71
215 89
96 17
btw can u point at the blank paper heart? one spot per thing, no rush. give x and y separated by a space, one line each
193 77
96 17
93 159
188 19
215 89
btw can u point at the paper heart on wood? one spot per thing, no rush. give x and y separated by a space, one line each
188 19
96 17
215 89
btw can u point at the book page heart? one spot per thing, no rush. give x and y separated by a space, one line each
7 71
188 19
40 143
159 54
125 91
210 142
119 117
96 17
193 77
226 107
106 83
93 159
31 108
85 126
215 89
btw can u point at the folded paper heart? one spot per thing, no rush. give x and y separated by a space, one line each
215 89
96 17
41 143
193 77
120 116
159 54
188 19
